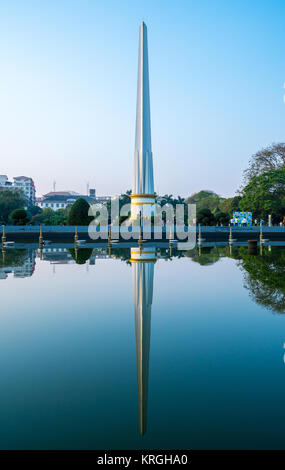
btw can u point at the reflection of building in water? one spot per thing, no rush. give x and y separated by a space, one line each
67 255
28 267
4 272
142 271
57 255
25 268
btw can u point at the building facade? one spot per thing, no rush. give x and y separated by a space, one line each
22 183
27 186
5 183
62 199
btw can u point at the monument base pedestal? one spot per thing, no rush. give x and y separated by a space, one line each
143 204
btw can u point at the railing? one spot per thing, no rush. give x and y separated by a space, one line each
84 229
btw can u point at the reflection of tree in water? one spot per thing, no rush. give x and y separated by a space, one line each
265 277
121 253
205 256
12 258
81 255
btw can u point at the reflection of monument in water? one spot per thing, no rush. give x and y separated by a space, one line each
142 260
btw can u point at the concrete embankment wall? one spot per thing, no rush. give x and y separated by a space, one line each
66 233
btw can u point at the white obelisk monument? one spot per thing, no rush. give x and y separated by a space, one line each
143 197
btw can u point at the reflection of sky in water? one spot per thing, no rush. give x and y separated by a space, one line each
68 359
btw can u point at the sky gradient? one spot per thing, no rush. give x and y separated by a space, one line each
68 75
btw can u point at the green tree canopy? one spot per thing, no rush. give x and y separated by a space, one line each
265 194
78 214
9 201
19 217
265 277
15 257
50 217
222 217
230 205
80 255
205 256
205 199
205 217
34 210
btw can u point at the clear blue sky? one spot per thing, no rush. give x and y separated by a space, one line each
68 73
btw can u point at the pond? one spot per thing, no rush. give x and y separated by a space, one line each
155 348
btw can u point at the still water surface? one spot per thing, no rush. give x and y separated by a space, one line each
142 350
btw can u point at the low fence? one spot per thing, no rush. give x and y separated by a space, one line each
63 233
84 229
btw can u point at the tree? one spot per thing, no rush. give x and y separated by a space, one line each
205 199
265 194
34 210
208 256
205 217
19 217
9 201
167 199
78 214
15 257
230 205
267 159
222 217
265 277
125 198
50 217
80 256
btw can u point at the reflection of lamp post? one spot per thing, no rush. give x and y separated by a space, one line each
3 254
3 237
231 239
200 236
170 238
41 238
76 235
109 237
231 234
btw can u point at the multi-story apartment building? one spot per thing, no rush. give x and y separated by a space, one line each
26 185
4 182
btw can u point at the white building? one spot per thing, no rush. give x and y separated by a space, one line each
57 200
62 199
4 182
26 185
